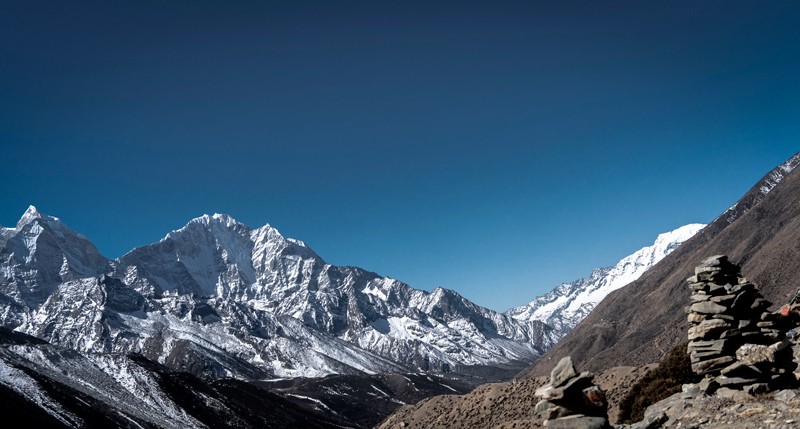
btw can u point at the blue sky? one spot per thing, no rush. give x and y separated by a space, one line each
494 148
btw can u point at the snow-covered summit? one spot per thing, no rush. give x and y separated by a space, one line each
32 214
566 305
40 253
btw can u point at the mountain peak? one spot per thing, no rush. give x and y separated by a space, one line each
680 234
219 218
31 214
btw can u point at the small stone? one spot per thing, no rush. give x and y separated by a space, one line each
708 328
696 287
711 364
714 261
727 317
708 307
710 345
726 381
723 299
751 354
786 395
708 385
736 395
549 392
577 422
772 334
549 410
701 271
716 289
691 391
696 356
562 372
695 318
699 298
738 369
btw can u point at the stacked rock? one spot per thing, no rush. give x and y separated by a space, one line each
734 341
572 400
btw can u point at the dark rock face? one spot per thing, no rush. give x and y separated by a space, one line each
637 324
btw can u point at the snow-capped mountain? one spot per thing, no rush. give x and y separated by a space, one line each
566 305
217 297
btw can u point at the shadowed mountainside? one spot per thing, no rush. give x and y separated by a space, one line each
639 323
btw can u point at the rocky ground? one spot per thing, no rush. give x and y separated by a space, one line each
510 405
724 409
503 405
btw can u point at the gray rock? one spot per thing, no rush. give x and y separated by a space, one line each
751 354
733 394
577 422
702 346
786 395
739 369
708 307
691 391
708 328
708 385
726 381
711 365
549 392
695 318
562 372
745 323
716 289
699 298
548 410
699 356
715 261
723 299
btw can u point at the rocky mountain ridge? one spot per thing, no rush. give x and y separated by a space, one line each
217 297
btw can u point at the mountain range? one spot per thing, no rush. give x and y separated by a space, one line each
228 316
219 298
635 326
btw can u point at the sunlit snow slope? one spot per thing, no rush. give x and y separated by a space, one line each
566 305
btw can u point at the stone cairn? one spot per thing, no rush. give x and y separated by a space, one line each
734 341
571 400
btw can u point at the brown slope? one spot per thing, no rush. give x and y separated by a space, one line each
639 323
